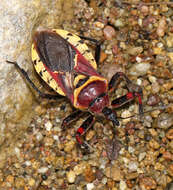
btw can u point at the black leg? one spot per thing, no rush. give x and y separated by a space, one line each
72 117
97 49
134 91
25 75
82 130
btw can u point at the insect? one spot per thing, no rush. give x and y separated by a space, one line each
66 64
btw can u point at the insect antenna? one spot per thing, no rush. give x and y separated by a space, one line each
162 107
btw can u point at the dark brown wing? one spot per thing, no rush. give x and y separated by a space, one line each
54 51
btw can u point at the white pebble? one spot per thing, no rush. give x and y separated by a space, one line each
27 163
39 136
17 151
123 185
71 176
42 170
48 125
133 166
55 137
141 156
90 186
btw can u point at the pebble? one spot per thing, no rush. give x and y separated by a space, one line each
165 121
154 144
69 146
119 23
132 166
167 155
169 134
31 182
161 27
109 32
90 186
141 156
42 170
71 176
114 173
139 69
147 183
153 100
48 125
123 185
90 134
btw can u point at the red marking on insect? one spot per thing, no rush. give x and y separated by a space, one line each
80 130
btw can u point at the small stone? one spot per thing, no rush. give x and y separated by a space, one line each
89 175
153 100
90 134
109 32
133 166
99 25
141 156
114 172
135 50
139 69
161 27
119 23
40 110
154 144
79 169
123 185
71 176
169 134
69 146
132 175
167 155
10 179
147 183
39 136
31 182
42 170
159 166
19 182
90 186
48 125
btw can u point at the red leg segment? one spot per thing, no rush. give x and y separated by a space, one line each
82 129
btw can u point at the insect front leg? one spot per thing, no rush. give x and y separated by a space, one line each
72 117
25 75
82 130
134 91
97 48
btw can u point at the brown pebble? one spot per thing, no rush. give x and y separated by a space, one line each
147 183
103 56
109 32
114 173
169 134
153 100
167 155
89 175
130 128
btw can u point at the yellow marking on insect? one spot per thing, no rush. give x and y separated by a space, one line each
78 90
77 78
82 47
39 67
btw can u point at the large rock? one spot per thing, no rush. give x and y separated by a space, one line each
18 21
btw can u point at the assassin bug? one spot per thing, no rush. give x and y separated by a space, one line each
65 63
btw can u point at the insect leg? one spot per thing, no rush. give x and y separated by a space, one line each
134 91
81 131
25 74
72 117
97 48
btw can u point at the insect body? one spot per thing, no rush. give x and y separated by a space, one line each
65 63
